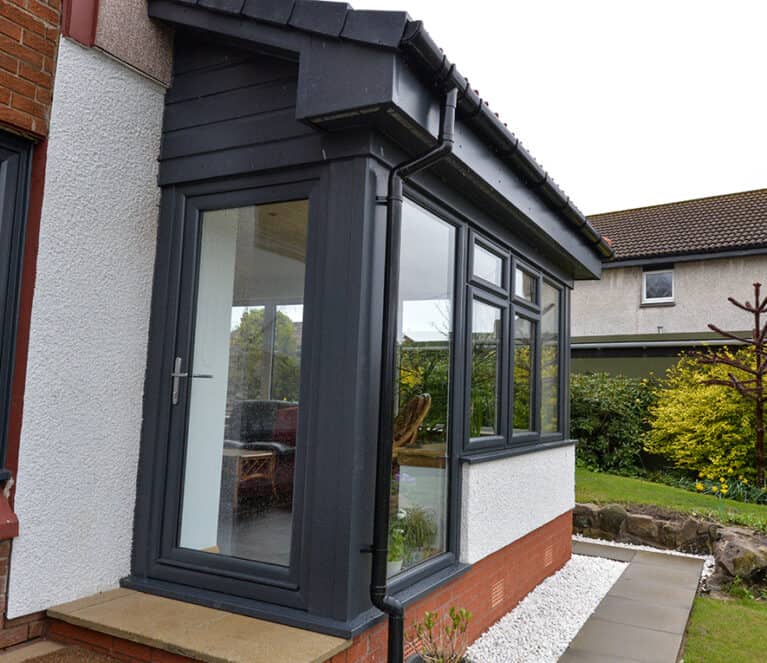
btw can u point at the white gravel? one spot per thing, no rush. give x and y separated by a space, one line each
543 624
709 564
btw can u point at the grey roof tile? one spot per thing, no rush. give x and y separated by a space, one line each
704 225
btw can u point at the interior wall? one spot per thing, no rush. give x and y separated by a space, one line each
503 500
88 338
207 406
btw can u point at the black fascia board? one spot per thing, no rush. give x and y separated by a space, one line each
369 82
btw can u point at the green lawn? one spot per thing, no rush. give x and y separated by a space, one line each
608 488
732 631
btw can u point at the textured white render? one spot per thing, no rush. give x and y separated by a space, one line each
502 500
612 305
87 349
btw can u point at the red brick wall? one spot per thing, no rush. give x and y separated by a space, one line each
15 631
122 650
490 589
29 32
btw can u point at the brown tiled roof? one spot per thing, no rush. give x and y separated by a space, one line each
705 225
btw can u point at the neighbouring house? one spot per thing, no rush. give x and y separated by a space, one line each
674 268
291 339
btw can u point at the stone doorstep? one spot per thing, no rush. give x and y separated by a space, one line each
644 616
201 633
29 650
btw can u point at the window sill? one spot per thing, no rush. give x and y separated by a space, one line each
656 304
520 450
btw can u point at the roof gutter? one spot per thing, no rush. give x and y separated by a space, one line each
418 46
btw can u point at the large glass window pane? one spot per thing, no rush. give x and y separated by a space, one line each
550 358
418 517
524 352
484 408
488 266
243 409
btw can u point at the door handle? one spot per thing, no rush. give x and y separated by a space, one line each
176 376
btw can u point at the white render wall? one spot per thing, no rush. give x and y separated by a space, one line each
503 500
87 351
611 306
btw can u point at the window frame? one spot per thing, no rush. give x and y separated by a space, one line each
650 301
562 365
15 171
473 293
473 450
425 571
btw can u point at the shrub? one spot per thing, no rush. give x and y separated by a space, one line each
608 418
706 429
437 642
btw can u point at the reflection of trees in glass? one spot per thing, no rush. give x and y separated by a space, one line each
550 359
424 368
249 358
484 385
522 385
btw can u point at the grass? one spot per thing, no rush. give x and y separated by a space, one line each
603 488
732 631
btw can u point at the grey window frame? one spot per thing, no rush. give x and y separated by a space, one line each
15 172
475 293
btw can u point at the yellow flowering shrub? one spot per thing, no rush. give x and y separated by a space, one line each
708 429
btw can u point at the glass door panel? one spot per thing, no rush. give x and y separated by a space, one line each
242 421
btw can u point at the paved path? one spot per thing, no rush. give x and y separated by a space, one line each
642 619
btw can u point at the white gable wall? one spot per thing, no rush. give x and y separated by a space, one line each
612 305
88 341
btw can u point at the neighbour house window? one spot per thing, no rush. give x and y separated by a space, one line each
658 286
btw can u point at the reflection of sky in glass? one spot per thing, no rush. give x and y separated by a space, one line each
426 320
484 318
487 265
294 311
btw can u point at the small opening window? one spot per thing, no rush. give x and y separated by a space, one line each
658 287
525 285
488 266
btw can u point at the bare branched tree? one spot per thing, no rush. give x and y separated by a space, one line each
751 387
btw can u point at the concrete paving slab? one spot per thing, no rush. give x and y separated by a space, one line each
638 613
599 637
574 656
601 550
644 615
673 575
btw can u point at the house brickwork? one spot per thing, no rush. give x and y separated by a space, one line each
489 589
16 631
29 33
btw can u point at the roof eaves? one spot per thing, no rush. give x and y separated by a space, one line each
395 30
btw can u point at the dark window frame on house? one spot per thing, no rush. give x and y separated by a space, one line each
15 165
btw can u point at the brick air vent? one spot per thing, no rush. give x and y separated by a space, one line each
497 594
548 556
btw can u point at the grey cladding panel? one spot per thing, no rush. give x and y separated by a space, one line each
224 103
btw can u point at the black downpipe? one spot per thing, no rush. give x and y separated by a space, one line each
380 549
